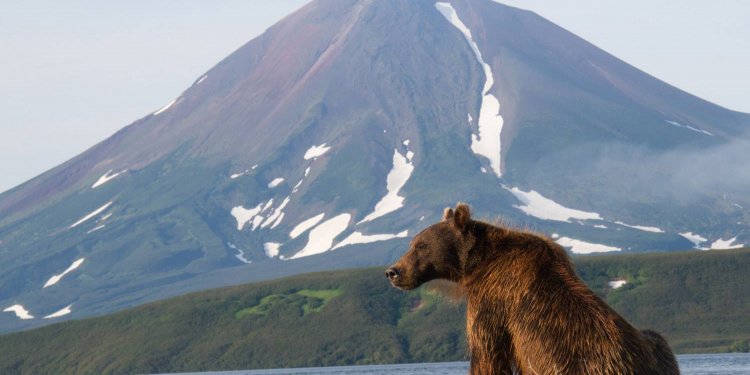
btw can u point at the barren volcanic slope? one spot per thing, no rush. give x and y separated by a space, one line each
346 128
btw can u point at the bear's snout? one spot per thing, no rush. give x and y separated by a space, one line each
392 273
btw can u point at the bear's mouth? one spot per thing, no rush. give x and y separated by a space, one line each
398 283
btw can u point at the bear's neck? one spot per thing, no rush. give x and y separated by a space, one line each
506 250
515 261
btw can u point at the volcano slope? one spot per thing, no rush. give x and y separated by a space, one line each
343 130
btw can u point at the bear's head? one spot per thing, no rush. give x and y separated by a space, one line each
436 252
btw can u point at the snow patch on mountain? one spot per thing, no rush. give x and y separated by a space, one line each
359 238
201 79
106 178
726 244
305 225
271 249
276 182
396 179
617 284
695 238
166 107
62 312
536 205
276 213
237 175
583 247
297 185
677 124
315 151
490 124
321 237
56 278
90 215
641 227
96 228
278 221
240 254
256 222
20 311
268 204
244 215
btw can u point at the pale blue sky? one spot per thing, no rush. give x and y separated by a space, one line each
74 72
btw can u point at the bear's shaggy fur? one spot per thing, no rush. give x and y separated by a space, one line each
527 310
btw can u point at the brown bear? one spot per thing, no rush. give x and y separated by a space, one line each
527 311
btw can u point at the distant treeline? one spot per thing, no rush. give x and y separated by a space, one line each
698 300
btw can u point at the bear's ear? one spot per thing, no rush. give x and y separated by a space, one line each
462 216
447 214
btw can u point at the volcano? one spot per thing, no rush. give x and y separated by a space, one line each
346 128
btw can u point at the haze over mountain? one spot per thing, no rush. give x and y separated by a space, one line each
345 129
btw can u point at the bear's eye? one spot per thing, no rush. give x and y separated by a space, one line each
421 246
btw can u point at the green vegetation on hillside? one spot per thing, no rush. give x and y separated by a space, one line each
307 300
698 300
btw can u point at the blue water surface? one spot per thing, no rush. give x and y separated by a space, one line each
691 364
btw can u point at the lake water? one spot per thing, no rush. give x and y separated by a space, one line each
694 364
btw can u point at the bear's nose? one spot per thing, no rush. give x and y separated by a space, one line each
392 273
